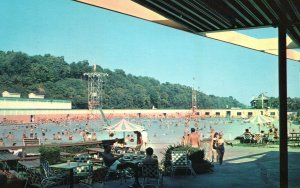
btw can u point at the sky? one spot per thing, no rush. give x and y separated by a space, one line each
80 32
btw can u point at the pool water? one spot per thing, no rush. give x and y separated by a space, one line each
160 131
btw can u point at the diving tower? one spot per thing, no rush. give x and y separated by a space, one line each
95 91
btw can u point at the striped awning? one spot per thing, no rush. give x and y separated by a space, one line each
260 119
124 126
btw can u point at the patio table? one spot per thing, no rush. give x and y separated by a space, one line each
29 164
70 166
5 156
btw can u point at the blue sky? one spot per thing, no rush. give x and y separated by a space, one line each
81 32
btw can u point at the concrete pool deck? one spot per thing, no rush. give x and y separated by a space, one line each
244 166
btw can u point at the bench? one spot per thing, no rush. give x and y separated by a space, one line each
31 142
294 138
295 142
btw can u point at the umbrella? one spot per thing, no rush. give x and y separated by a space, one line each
124 126
260 119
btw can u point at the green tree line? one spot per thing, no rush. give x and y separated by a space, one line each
293 104
56 79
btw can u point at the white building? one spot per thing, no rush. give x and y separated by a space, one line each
35 96
8 94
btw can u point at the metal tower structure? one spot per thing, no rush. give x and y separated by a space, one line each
95 89
194 99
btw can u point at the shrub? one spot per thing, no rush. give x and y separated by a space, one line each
77 149
50 154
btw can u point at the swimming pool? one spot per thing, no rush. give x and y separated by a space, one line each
160 131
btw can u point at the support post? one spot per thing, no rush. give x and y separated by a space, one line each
282 72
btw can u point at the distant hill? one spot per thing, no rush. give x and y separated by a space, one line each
56 79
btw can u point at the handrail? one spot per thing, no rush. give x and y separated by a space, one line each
60 145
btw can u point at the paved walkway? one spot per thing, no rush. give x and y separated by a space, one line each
243 167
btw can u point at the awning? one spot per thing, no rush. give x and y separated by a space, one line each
218 19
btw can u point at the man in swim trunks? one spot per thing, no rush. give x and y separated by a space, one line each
194 139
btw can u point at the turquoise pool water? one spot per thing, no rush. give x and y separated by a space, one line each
160 131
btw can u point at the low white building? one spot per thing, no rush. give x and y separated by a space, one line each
12 95
35 96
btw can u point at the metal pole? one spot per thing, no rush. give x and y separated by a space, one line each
262 100
282 72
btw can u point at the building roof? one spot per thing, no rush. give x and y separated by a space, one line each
217 19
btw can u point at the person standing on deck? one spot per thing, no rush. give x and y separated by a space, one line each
139 139
94 136
215 146
194 139
145 139
221 148
200 136
211 145
186 140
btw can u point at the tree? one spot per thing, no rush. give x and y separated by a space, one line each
56 79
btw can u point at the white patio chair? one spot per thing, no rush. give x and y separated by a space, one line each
180 161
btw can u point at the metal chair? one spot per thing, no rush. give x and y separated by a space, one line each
151 173
258 138
118 172
49 173
33 178
180 161
270 137
111 171
85 173
37 179
247 138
